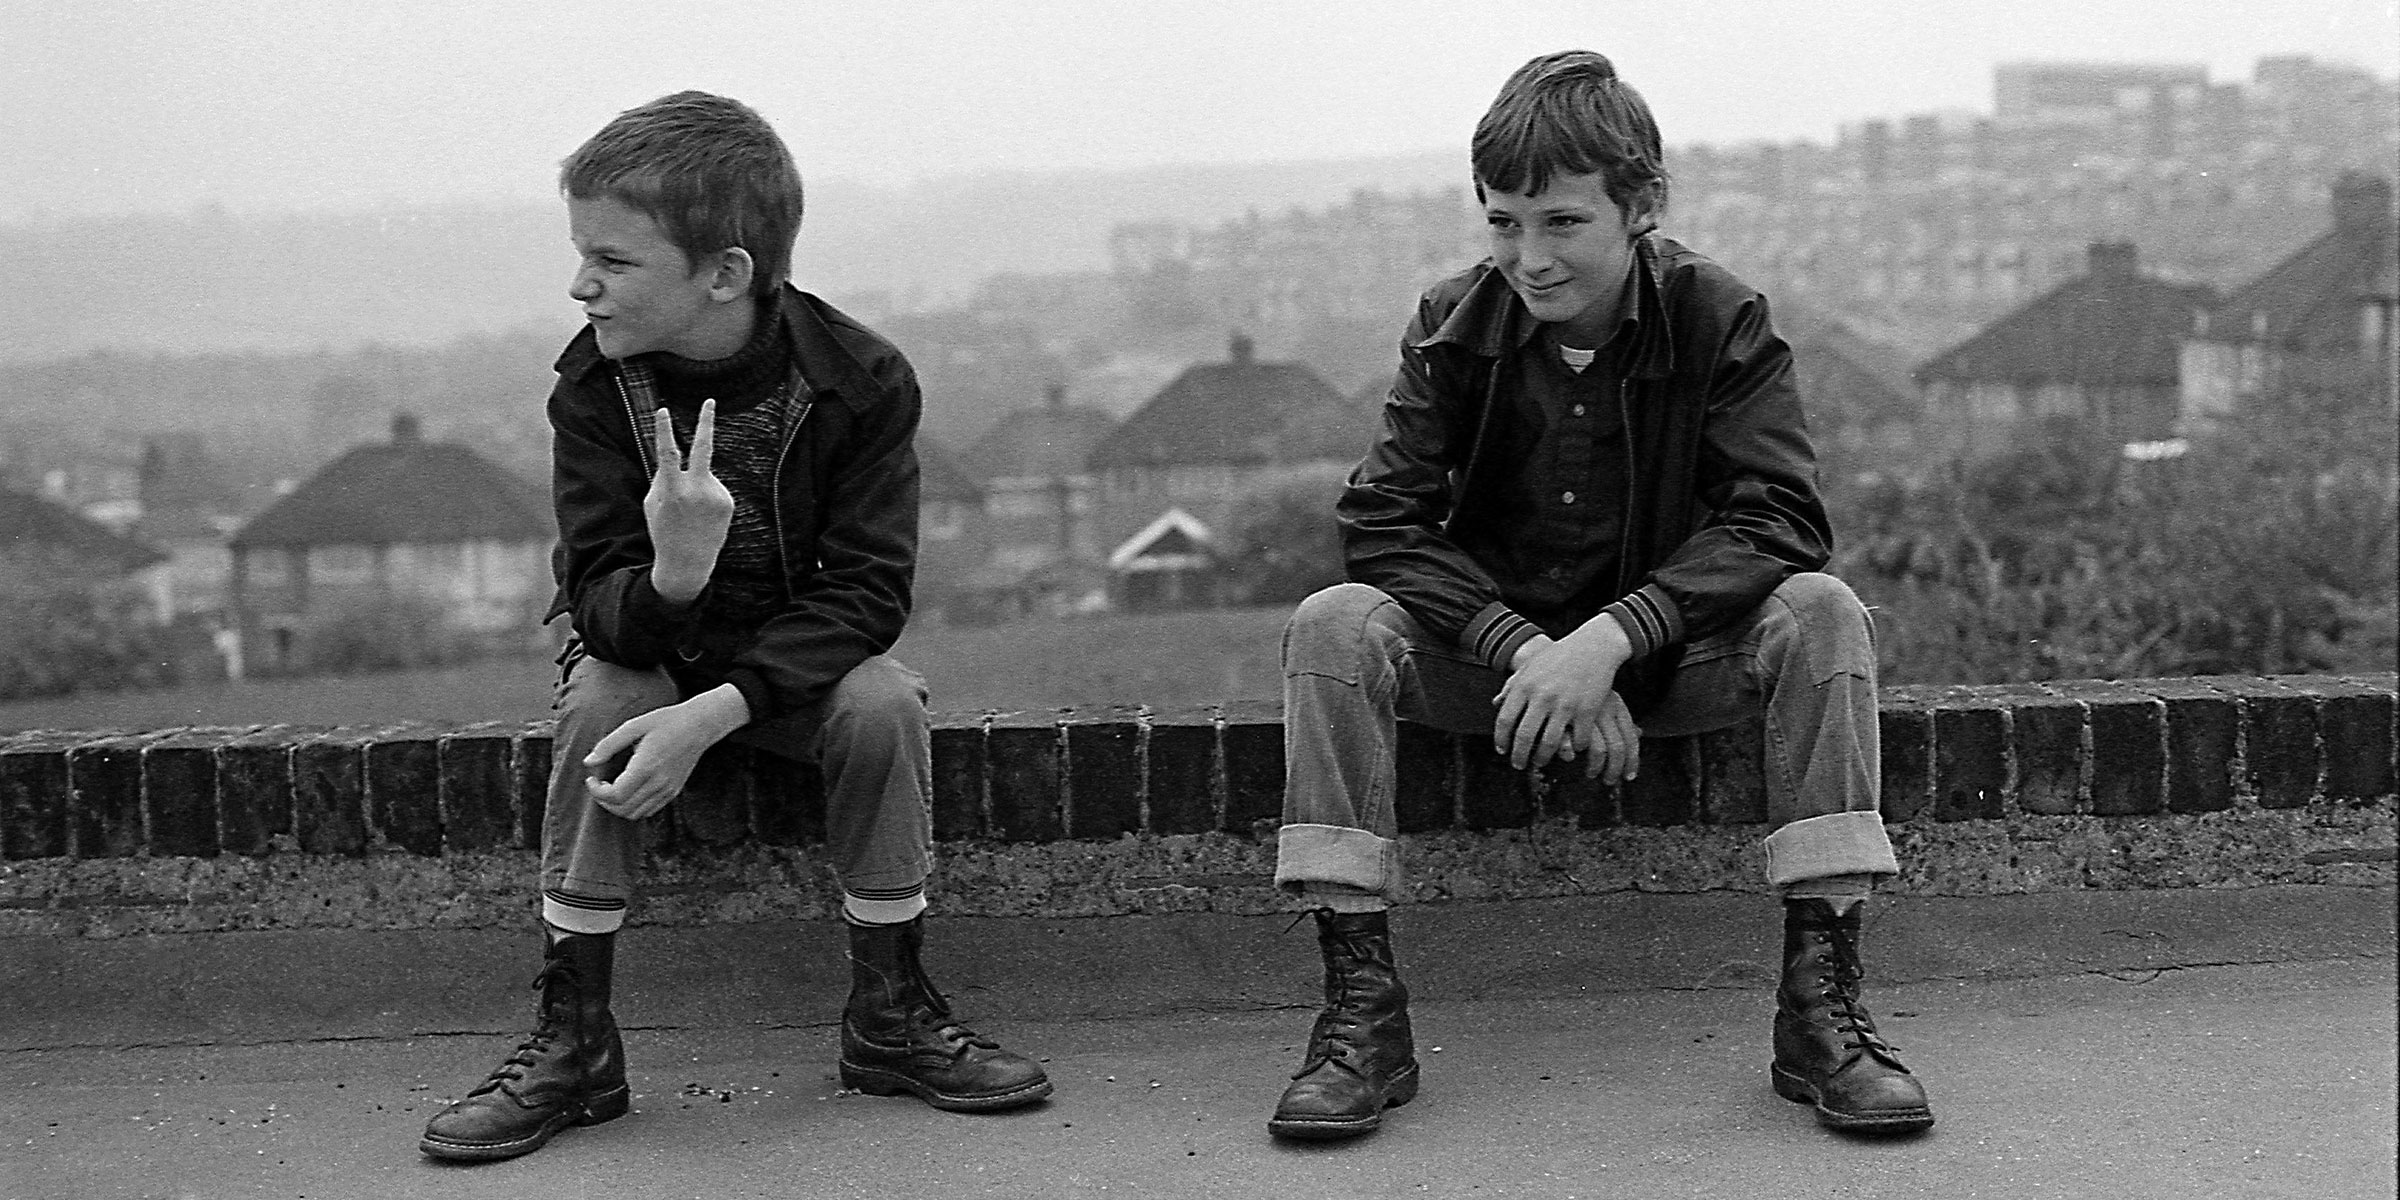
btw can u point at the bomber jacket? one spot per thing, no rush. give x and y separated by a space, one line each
846 484
1718 489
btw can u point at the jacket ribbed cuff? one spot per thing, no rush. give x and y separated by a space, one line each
1651 620
753 687
1496 634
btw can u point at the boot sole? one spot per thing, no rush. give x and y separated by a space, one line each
607 1106
875 1081
1326 1129
1792 1087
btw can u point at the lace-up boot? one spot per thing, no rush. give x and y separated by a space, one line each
570 1072
898 1034
1827 1052
1362 1057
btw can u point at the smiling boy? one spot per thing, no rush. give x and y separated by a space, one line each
1591 515
736 480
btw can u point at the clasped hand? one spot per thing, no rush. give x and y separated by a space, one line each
688 508
1560 701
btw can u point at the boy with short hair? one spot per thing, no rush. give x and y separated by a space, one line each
736 482
1591 514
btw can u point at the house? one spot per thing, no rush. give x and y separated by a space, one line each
2321 317
1862 406
394 532
2098 357
189 511
47 541
1041 554
950 533
1183 465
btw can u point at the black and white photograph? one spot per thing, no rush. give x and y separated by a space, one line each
1199 598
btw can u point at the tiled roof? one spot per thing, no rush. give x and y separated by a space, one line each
1048 443
939 476
2109 327
2309 302
405 492
1242 412
32 521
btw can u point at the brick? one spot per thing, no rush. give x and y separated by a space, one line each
2129 765
787 800
2046 734
1592 803
2204 727
477 787
2356 721
179 786
404 787
529 772
1182 769
1104 772
1970 758
1491 793
34 794
329 791
254 788
2279 739
1667 790
1906 737
1733 774
104 777
1026 776
958 767
1252 743
1434 773
714 809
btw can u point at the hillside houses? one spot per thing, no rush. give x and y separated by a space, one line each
2097 356
2322 317
408 521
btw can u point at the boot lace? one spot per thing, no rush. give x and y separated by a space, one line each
546 1032
1844 987
1332 1038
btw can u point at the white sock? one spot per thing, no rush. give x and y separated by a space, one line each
861 910
581 914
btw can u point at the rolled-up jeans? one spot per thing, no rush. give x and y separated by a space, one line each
870 736
1355 663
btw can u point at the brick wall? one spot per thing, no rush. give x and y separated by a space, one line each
2138 748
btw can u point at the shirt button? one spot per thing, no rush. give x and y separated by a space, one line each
1566 497
1577 410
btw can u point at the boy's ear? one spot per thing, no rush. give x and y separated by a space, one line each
732 274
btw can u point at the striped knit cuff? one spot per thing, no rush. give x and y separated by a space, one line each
582 914
1651 620
1496 634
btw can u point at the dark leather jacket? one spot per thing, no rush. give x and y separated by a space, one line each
1719 490
847 520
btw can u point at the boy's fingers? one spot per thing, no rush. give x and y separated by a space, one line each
704 438
663 429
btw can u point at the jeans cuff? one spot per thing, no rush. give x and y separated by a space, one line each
1336 854
1843 843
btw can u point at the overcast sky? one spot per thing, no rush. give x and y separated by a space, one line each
115 105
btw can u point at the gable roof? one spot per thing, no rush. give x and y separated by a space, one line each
1241 411
405 491
2109 327
1174 540
939 476
1049 442
2309 302
34 522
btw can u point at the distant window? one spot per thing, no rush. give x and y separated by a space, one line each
341 564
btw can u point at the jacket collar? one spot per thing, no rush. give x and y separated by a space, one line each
827 365
1490 321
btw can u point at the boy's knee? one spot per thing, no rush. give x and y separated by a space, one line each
1821 600
1336 620
880 693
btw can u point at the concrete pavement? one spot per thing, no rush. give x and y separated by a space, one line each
2113 1044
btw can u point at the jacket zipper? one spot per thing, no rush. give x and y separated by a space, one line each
791 433
641 450
1625 548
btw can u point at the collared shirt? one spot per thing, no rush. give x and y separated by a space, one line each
1567 504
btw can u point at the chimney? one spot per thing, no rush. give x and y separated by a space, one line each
1055 396
1243 349
2361 202
405 429
2114 259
